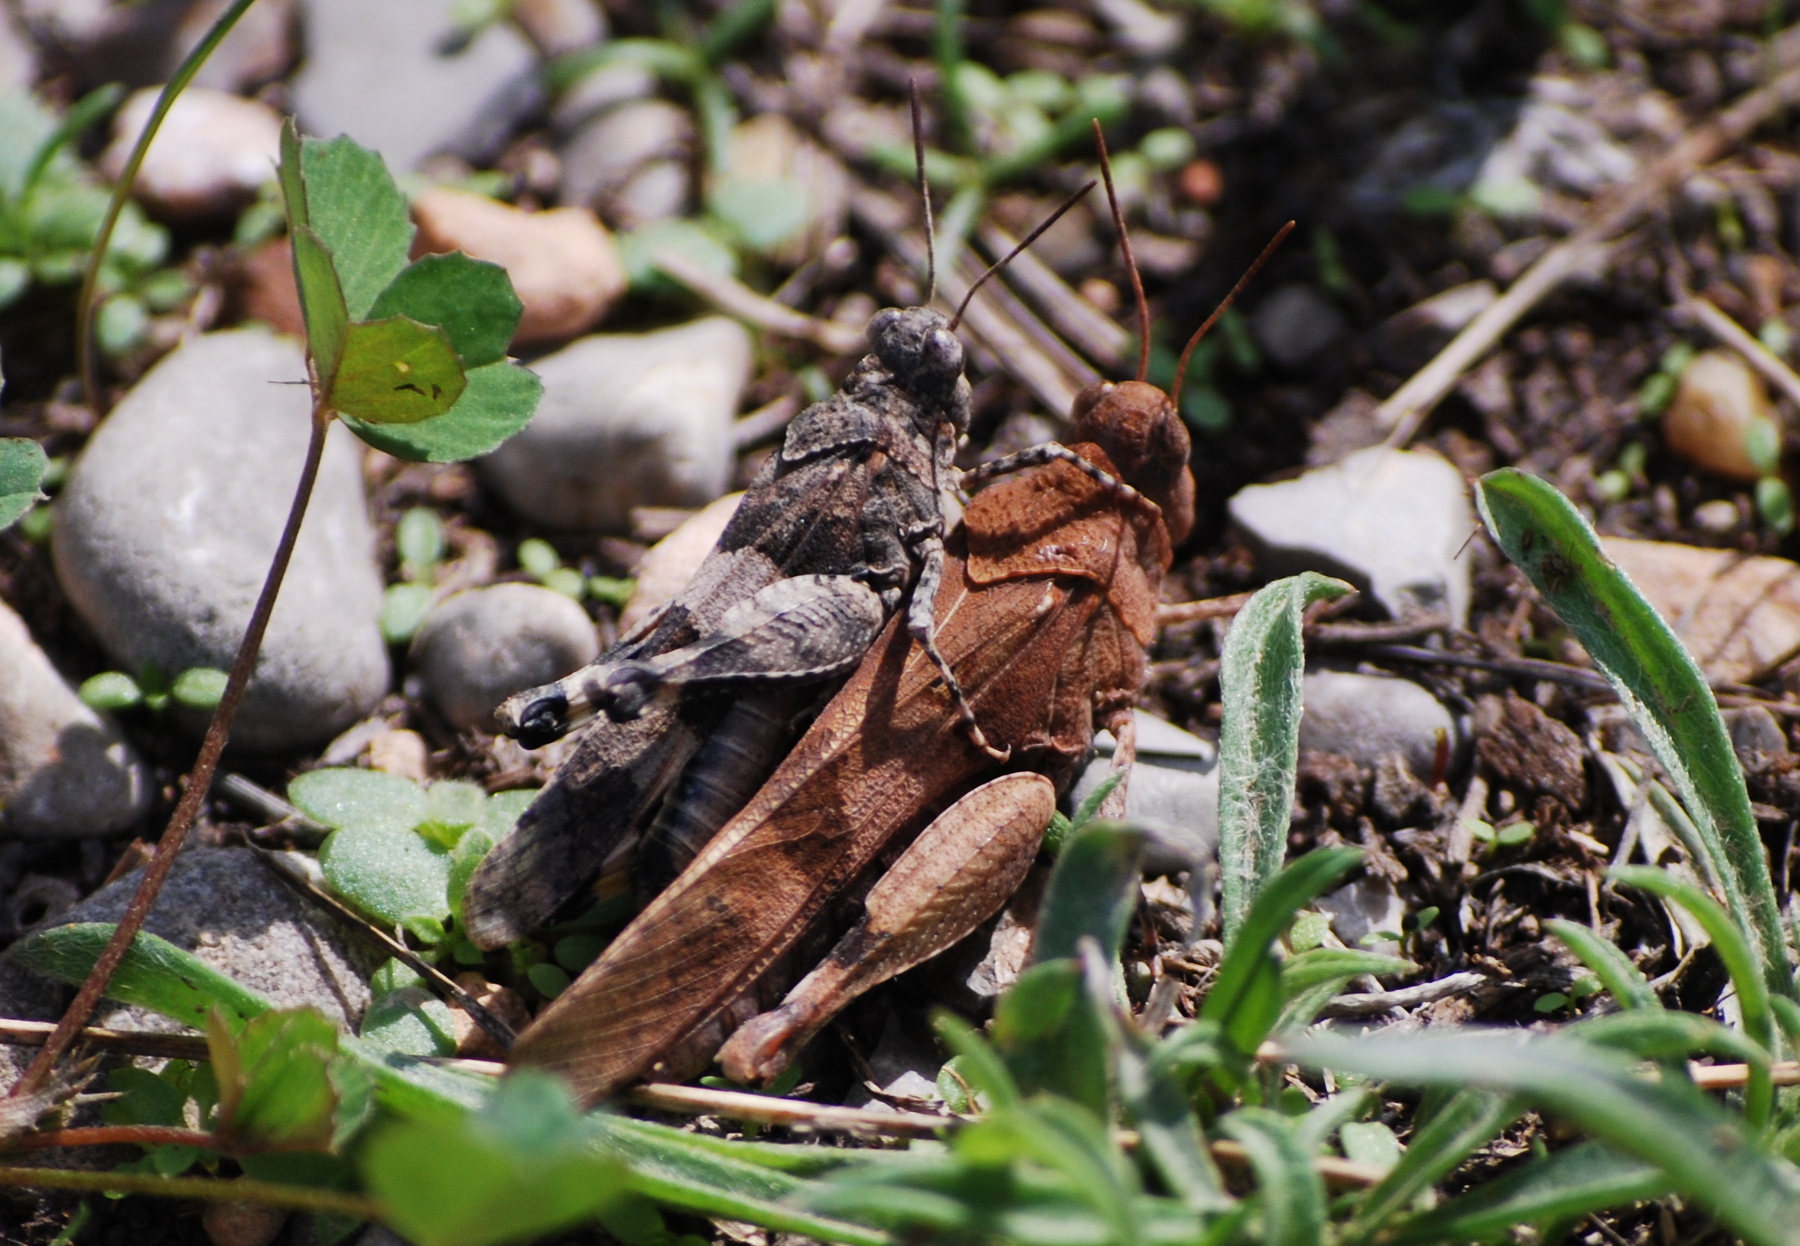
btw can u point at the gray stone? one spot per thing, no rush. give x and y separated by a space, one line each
233 913
1440 149
1173 792
212 154
1296 324
627 420
1368 717
1368 906
172 515
558 27
64 771
394 77
480 647
1392 522
602 157
18 59
603 87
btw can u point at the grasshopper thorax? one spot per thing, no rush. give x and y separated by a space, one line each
1138 427
918 348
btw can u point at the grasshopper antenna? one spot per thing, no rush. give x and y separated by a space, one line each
918 127
1137 282
1030 238
1224 306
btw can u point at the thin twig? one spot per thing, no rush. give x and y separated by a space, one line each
1739 339
1733 1076
734 298
124 1042
113 1135
1170 613
1589 246
1069 312
235 1190
1524 668
1374 1003
199 780
483 1016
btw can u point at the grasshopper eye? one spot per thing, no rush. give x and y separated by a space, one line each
942 352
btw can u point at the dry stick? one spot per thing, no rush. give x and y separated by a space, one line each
124 1042
1738 338
1015 311
735 298
1407 408
1068 311
199 780
235 1190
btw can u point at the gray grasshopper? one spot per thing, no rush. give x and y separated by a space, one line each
698 705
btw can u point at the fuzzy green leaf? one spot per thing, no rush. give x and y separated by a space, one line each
1046 1030
22 467
1259 745
155 974
472 300
411 1021
391 875
341 797
359 214
1289 1188
1563 1186
1467 1121
498 402
1630 989
1658 682
274 1078
396 371
1093 891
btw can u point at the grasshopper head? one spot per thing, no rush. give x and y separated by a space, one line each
917 347
1141 432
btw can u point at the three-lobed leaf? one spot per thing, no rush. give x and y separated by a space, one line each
396 371
274 1078
23 464
498 402
472 301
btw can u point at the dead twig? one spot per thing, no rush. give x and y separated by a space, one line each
1374 1003
1619 207
734 298
124 1042
1739 339
1170 613
1086 327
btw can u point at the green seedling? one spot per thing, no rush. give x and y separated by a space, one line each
1658 389
197 688
419 540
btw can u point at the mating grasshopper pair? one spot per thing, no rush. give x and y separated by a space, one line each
1037 628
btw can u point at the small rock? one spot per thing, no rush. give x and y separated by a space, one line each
902 1068
1173 792
171 517
1368 906
212 154
1739 617
1367 717
242 1224
557 27
563 264
1407 340
1201 182
1718 516
401 752
1754 733
602 156
1296 324
1392 521
263 290
1551 147
1441 150
234 914
1719 410
1397 793
1519 747
64 771
381 73
769 149
667 567
479 647
505 1003
606 86
627 420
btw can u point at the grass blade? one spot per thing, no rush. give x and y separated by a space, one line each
1093 891
1467 1121
1289 1188
1624 980
155 974
1658 682
1259 746
1566 1184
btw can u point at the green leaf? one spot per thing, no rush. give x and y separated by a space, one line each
1626 982
1259 742
523 1166
200 687
273 1076
503 809
471 300
22 467
396 371
1336 966
111 690
1560 1187
359 214
1246 996
978 1063
1093 891
391 875
411 1021
321 302
155 974
464 858
761 213
1658 682
1372 1143
403 611
341 797
419 537
291 177
1706 1153
1469 1120
1289 1188
1046 1030
498 402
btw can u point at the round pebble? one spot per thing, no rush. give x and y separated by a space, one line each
1718 416
212 154
480 647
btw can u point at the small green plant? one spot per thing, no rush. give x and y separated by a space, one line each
419 540
196 688
539 559
23 466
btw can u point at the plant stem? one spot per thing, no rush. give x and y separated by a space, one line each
199 780
90 280
237 1190
111 1135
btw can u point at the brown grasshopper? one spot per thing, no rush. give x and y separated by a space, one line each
1044 615
702 700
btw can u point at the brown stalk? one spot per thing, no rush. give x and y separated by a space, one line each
199 779
1030 238
236 1190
